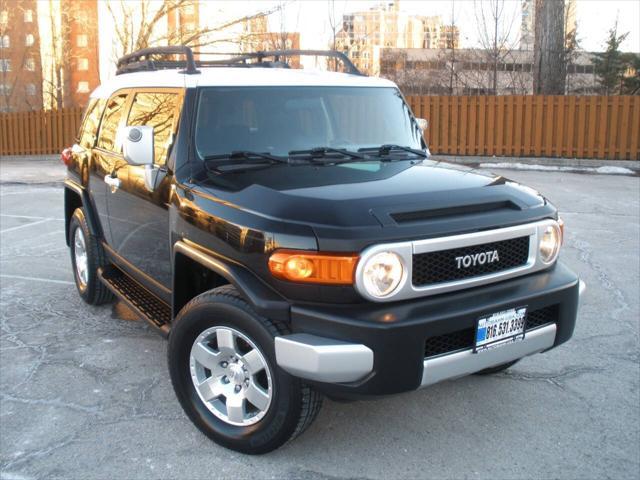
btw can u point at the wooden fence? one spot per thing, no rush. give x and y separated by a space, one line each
538 126
518 126
38 132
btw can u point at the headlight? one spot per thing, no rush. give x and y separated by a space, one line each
550 243
382 273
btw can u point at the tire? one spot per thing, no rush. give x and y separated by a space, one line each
293 405
90 288
497 368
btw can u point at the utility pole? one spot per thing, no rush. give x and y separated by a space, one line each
549 68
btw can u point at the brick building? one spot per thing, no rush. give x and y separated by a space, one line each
256 37
182 22
468 72
81 72
20 65
365 33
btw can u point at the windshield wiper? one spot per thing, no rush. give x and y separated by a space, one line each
242 159
323 154
385 151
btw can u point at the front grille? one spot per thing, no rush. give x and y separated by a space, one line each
541 317
465 339
450 342
441 266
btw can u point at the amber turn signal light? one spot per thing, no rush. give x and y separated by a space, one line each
309 267
561 225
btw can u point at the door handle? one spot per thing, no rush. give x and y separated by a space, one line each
113 182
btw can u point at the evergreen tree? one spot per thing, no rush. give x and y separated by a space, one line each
610 65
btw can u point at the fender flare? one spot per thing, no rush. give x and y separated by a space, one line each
85 199
260 296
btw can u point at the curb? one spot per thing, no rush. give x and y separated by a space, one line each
549 162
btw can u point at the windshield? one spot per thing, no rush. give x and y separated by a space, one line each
277 120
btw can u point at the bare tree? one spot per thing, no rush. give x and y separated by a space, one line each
450 48
549 65
134 32
494 24
335 23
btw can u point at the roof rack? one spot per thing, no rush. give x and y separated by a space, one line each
146 59
142 59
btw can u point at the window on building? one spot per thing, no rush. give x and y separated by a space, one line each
189 27
83 87
6 41
82 40
31 89
5 65
157 110
189 9
28 16
29 40
83 64
110 122
30 64
4 17
5 89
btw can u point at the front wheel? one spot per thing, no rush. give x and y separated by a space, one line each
222 364
87 256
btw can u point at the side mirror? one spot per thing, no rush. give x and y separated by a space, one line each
422 123
137 145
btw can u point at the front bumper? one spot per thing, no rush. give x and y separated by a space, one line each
355 351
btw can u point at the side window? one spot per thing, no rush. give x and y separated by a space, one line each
89 130
110 123
157 110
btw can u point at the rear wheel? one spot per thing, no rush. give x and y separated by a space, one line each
87 256
223 369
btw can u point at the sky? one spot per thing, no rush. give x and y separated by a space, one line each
311 19
594 18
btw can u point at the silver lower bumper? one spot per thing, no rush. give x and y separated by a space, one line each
332 361
466 362
323 359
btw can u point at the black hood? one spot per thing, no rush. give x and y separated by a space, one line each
373 194
352 206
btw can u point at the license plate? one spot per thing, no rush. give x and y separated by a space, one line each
500 328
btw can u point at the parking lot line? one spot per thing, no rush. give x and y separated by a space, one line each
36 279
30 217
25 225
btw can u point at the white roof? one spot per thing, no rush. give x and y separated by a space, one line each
236 77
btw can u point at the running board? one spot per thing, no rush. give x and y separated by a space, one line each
140 300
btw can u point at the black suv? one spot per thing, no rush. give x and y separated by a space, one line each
288 232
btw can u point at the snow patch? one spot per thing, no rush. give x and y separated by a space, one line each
605 170
614 170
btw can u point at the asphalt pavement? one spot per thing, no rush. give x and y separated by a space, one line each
85 392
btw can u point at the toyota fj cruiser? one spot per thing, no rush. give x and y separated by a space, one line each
288 232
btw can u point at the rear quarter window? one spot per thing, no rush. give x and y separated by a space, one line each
90 123
110 122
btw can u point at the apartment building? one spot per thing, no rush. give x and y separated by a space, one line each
366 32
449 37
256 36
80 45
183 22
48 53
20 66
